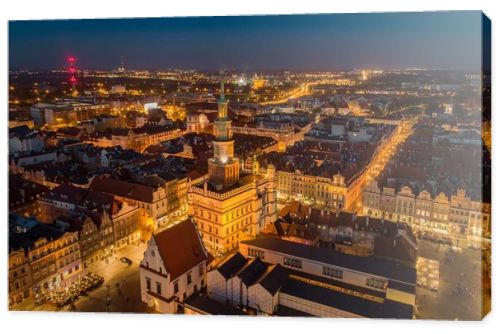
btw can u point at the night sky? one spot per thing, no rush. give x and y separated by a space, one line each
445 40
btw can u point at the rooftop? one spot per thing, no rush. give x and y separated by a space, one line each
206 305
370 265
346 302
180 248
25 240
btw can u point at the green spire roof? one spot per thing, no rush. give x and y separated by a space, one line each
222 97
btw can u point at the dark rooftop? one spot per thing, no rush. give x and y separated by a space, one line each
27 240
371 265
346 302
231 265
206 305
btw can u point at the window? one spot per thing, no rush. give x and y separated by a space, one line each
176 286
148 283
201 269
158 288
293 263
189 280
331 272
256 253
375 283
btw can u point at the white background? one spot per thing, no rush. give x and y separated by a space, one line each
25 322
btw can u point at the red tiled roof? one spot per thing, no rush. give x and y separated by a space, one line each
180 248
123 188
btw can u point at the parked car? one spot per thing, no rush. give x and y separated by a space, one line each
126 260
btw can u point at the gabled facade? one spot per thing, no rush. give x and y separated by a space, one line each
455 214
173 268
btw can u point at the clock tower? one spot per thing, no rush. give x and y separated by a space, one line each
223 168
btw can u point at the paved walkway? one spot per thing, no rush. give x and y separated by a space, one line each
459 293
121 286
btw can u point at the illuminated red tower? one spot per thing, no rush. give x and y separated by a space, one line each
72 71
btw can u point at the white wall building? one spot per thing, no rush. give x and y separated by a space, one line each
173 268
272 278
396 281
246 283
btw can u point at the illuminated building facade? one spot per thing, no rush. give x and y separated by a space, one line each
96 233
458 214
157 199
321 191
118 217
19 277
229 206
173 268
55 264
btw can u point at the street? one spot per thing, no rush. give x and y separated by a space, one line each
121 285
459 293
121 290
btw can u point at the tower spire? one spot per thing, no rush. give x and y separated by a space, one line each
222 95
222 100
223 168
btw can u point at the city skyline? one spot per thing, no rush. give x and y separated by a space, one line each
324 186
433 40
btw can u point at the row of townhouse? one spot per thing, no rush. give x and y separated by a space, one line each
47 257
42 259
455 214
319 190
117 222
